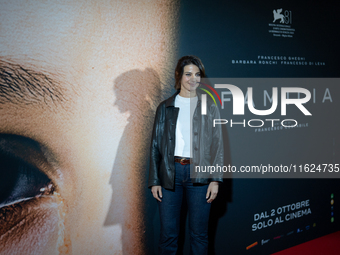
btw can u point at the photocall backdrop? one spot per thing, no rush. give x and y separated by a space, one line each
246 39
79 85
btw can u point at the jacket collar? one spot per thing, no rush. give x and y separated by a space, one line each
170 102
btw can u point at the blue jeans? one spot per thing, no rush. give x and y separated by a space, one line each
170 211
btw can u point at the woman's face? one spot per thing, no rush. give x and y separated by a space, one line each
190 78
77 96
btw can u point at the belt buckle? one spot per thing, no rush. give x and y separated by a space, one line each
181 161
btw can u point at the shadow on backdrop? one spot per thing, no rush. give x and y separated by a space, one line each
220 206
138 93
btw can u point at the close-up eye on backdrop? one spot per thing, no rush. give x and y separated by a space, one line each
21 180
29 203
79 84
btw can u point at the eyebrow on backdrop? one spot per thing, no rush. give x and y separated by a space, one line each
19 85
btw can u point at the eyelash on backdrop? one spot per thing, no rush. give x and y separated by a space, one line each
20 180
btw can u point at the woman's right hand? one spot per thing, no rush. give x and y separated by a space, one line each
157 192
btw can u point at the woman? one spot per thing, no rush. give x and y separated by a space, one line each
171 156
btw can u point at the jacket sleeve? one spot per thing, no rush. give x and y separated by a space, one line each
217 149
155 155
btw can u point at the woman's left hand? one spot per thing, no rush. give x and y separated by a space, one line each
212 191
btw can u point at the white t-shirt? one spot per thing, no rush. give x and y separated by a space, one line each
183 127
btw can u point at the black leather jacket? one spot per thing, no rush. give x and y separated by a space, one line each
207 143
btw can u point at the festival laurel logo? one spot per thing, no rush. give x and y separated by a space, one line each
281 25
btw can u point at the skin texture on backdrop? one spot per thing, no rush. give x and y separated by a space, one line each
79 84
